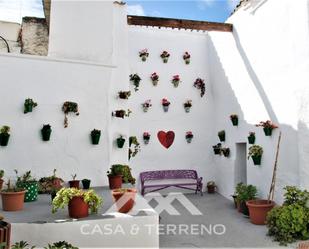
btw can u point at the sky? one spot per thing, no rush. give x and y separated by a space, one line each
206 10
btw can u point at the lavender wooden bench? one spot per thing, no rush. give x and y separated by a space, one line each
162 179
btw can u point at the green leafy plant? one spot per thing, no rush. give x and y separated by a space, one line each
68 107
25 178
133 151
136 80
64 196
5 129
60 245
11 188
294 195
22 245
255 150
115 170
245 192
29 105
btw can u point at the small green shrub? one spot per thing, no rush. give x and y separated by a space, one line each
245 192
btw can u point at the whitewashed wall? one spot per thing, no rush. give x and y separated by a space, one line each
180 155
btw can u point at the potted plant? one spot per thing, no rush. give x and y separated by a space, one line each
135 79
29 105
226 152
217 149
121 113
124 199
189 136
50 183
4 135
120 142
45 132
95 136
268 127
146 137
165 55
221 135
245 193
59 245
74 183
78 201
200 84
251 137
1 178
29 183
187 105
176 80
127 175
165 104
146 105
255 152
12 198
154 78
186 57
211 187
68 107
234 119
143 54
115 176
124 94
86 183
133 151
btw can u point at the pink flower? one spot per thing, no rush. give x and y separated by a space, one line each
186 56
154 76
146 134
165 102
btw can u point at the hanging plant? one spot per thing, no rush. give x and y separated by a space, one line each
120 142
255 152
187 105
146 137
68 107
186 58
199 84
124 94
189 136
165 55
221 135
46 131
143 54
4 135
165 104
121 113
135 79
217 149
176 80
268 127
226 152
234 119
29 105
95 136
251 137
133 151
146 105
154 78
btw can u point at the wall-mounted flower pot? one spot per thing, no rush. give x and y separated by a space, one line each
189 139
127 197
115 181
31 188
251 139
258 210
256 160
221 137
234 121
74 184
120 142
146 141
86 183
165 108
217 151
28 108
165 60
4 139
95 139
267 131
13 201
46 134
226 152
78 208
187 109
155 82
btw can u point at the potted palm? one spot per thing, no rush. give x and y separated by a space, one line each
79 202
86 183
221 135
115 176
4 135
211 187
234 119
29 105
74 183
1 178
245 193
251 137
46 131
29 183
256 152
95 136
120 142
268 127
12 198
124 199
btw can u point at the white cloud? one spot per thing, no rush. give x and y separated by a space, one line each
136 10
232 4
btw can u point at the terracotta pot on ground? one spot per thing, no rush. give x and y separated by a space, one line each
115 181
78 208
258 210
74 184
124 199
211 189
13 201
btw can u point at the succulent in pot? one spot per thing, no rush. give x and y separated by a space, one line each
217 149
120 141
74 183
165 104
255 152
45 132
146 105
124 94
189 136
154 78
12 198
86 183
143 54
234 119
186 57
29 183
146 137
187 105
211 187
124 199
221 135
268 127
251 137
1 178
79 202
135 79
29 105
4 135
115 176
95 136
165 56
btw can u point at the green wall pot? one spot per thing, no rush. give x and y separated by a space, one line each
234 121
217 151
46 134
222 138
95 138
28 108
251 139
86 183
32 190
120 142
257 160
4 139
267 131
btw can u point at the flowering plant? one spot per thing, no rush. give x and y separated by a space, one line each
186 57
135 79
154 78
189 134
146 105
176 80
146 135
199 84
267 124
144 54
165 55
165 102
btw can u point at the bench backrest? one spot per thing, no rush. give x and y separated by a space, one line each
168 174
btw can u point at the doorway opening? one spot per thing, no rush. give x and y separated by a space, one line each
240 173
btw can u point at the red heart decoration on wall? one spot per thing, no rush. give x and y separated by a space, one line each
166 138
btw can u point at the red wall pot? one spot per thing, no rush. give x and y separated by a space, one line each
127 199
74 184
78 208
115 182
